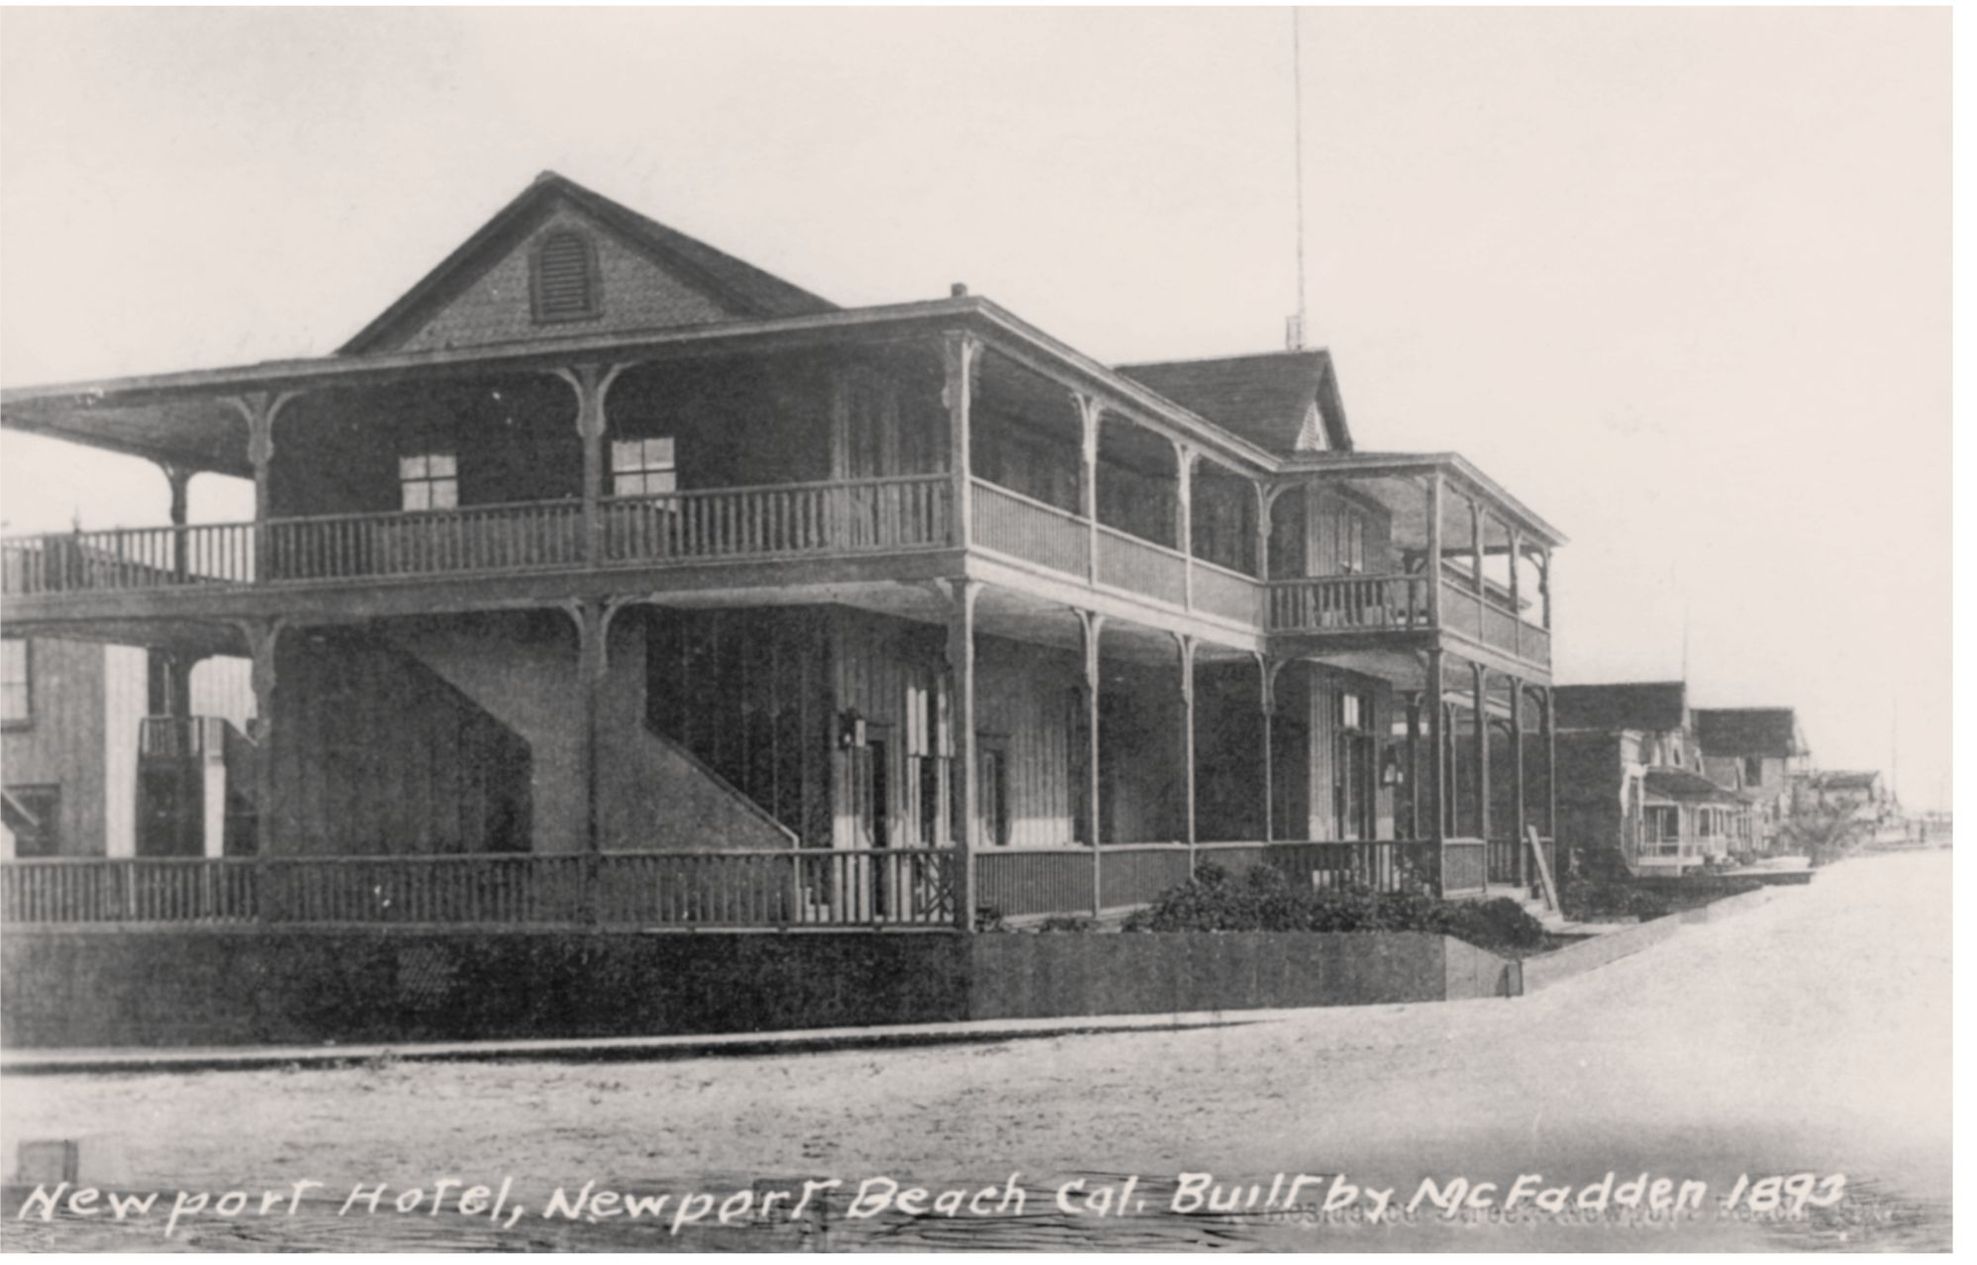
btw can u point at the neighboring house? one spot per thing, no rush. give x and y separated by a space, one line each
1763 751
101 755
1855 792
1632 790
600 545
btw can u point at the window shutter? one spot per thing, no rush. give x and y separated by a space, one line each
565 278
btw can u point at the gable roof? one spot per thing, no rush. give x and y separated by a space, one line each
1748 731
1264 398
748 291
1847 780
1647 705
1686 787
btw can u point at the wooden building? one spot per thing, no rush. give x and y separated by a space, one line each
1633 789
1763 750
606 578
109 751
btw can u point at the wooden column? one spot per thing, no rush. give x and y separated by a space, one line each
1263 503
592 617
1434 595
1482 696
959 353
1544 586
261 409
1186 644
1551 785
178 477
1092 626
592 383
1438 773
1517 775
1476 545
1184 456
962 595
1268 676
263 638
1412 701
1516 609
1090 415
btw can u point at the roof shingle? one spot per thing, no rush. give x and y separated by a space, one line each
1648 705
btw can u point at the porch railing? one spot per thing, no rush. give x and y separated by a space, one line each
1011 523
1346 603
791 887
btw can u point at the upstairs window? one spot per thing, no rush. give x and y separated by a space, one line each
563 283
1753 770
16 695
33 815
429 481
1348 542
643 467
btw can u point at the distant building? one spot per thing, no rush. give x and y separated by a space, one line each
1858 792
105 753
1763 750
1632 792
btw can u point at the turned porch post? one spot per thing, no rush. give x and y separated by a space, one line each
962 595
959 354
263 638
1438 764
1476 545
1551 785
1268 698
178 477
1092 624
1184 457
1433 574
1186 644
1481 677
1412 700
261 409
592 383
1517 775
1089 417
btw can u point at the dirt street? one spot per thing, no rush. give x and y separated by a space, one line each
1807 1035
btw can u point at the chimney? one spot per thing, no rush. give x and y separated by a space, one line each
959 289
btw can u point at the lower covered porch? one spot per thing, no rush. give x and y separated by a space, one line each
924 756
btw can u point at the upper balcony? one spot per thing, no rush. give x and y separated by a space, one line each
817 451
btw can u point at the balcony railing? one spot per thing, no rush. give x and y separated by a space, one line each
182 737
1011 523
851 517
1483 618
1348 603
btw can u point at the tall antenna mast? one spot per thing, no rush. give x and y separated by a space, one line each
1294 328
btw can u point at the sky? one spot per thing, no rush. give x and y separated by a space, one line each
1678 278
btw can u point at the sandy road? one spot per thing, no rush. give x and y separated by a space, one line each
1810 1033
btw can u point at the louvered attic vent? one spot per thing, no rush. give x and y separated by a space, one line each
565 278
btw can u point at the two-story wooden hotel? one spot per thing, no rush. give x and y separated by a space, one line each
605 580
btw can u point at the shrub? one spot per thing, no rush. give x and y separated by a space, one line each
1067 922
1604 900
1264 900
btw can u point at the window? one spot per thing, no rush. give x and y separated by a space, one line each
643 467
429 481
1354 710
33 816
16 693
564 280
1753 770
